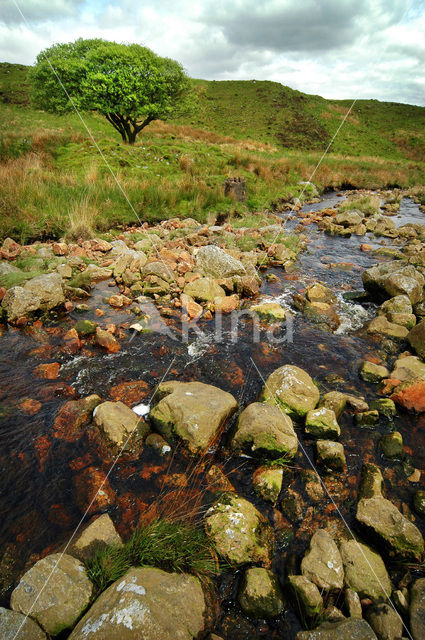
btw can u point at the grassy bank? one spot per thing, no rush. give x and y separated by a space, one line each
54 182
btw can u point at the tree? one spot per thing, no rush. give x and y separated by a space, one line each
129 84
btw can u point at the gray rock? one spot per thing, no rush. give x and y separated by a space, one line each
292 389
239 531
15 626
260 595
416 338
351 629
55 600
263 429
365 571
117 421
417 609
215 262
322 564
348 218
192 411
41 293
146 603
408 368
160 270
393 279
99 533
400 536
385 621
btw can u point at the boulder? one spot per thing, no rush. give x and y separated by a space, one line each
99 533
417 609
384 327
55 600
15 626
96 273
204 289
408 368
416 339
349 218
318 292
116 422
401 537
307 595
263 430
371 372
385 621
365 571
18 302
331 454
159 270
322 563
321 423
351 629
392 279
267 483
410 395
239 531
41 293
192 411
215 262
146 603
391 445
292 390
260 595
334 400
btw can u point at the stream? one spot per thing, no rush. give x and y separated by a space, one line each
39 502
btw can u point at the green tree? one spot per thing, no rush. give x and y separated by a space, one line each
129 84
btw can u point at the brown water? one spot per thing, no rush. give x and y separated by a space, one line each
39 503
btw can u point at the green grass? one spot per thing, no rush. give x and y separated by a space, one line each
54 183
165 544
368 205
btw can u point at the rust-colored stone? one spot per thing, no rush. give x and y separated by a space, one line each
48 371
42 446
93 491
30 406
107 340
130 393
411 395
74 415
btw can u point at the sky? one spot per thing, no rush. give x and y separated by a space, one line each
334 48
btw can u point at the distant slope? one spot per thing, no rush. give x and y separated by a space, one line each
270 112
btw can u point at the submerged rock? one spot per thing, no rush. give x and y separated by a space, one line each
263 430
192 411
55 600
260 595
322 563
365 571
292 389
331 454
239 531
146 603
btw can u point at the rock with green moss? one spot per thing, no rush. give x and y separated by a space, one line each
307 595
367 418
419 503
398 304
263 430
407 320
292 390
371 481
351 629
322 423
85 327
239 531
260 595
322 564
391 445
365 571
371 372
146 603
267 483
55 592
402 538
331 454
334 400
385 407
270 311
204 290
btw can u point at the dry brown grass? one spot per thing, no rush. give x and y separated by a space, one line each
82 219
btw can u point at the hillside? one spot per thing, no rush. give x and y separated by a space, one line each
53 180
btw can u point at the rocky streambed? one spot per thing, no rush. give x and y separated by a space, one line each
265 382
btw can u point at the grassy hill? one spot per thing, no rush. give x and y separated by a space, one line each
53 180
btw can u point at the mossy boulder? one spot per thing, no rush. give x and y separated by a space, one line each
204 290
292 390
322 423
330 454
371 372
364 570
267 483
85 327
334 400
191 411
416 339
263 430
55 592
322 564
393 279
260 595
239 531
270 311
401 538
307 595
384 327
391 445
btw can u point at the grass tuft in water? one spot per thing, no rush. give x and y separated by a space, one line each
169 545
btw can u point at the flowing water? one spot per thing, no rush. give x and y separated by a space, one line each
39 503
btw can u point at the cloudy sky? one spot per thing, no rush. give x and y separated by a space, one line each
335 48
